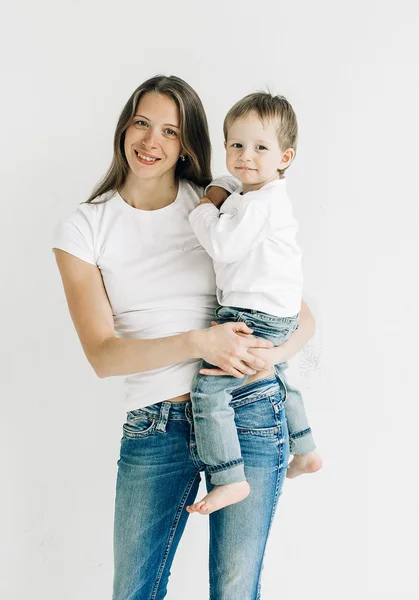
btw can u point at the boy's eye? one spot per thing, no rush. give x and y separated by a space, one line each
236 145
260 147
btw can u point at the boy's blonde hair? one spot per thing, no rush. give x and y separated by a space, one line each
267 107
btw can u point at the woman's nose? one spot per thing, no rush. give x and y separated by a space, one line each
149 139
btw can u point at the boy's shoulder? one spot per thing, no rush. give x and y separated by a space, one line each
278 186
270 193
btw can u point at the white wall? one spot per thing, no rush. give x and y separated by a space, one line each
351 72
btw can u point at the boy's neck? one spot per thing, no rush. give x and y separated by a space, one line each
257 186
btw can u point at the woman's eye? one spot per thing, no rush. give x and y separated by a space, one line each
140 123
260 147
170 132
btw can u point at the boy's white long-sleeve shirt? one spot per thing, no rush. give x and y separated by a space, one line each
252 241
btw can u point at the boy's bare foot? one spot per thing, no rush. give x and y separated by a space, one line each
304 463
221 496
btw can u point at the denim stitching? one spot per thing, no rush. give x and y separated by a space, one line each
224 466
172 535
300 434
163 417
268 432
131 435
192 445
276 498
258 394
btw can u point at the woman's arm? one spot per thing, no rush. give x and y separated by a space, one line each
288 349
226 346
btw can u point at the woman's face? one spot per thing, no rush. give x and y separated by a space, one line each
152 141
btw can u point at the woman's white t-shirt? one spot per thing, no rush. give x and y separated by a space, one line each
159 279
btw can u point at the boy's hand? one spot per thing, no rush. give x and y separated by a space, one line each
217 195
204 200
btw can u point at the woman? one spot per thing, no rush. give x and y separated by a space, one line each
141 293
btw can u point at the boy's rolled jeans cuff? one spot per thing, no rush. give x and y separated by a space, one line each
232 472
302 442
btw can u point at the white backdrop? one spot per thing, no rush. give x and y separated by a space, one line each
351 72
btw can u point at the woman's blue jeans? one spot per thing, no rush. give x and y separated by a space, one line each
158 476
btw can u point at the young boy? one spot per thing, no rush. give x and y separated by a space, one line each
257 263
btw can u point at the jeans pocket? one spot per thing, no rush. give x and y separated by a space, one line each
259 418
270 326
276 336
139 423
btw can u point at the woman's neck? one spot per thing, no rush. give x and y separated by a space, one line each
149 194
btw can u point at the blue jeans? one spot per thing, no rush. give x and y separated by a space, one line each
301 437
216 436
158 476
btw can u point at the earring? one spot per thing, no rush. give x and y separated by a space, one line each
183 158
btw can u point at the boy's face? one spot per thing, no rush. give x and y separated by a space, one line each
253 152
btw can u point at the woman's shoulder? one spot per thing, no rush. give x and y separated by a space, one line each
189 194
89 211
78 232
189 187
101 203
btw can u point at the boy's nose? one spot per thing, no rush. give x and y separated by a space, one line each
245 156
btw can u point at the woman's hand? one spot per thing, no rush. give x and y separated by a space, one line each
274 356
270 357
228 347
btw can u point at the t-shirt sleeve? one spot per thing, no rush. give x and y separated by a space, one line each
76 236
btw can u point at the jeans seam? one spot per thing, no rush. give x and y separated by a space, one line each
261 391
139 434
263 433
274 505
172 535
300 434
224 466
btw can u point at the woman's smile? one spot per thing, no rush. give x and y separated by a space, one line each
146 159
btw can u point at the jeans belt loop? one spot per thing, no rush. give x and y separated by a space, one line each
282 385
188 412
163 418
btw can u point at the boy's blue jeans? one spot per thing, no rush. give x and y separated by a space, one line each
215 430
